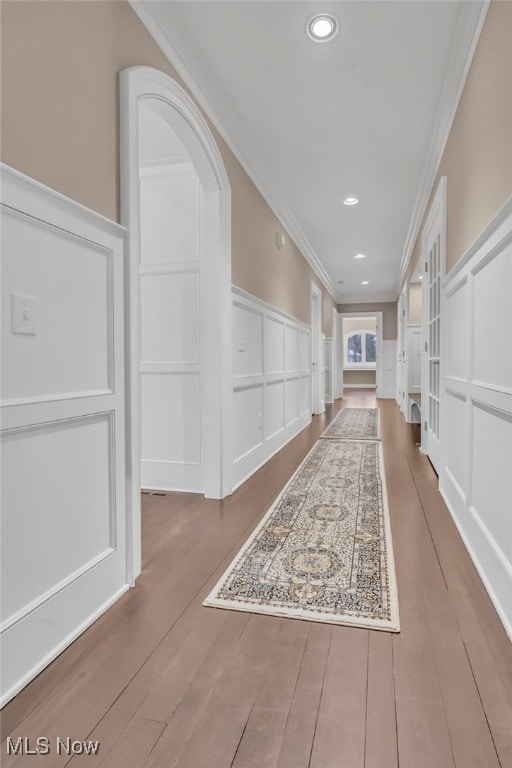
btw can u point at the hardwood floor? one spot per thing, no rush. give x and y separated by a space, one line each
163 682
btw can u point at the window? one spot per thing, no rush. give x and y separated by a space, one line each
361 349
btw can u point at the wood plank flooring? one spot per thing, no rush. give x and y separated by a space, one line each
163 682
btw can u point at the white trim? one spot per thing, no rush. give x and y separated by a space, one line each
251 299
135 84
495 398
469 26
501 216
44 201
164 170
57 650
270 443
476 562
438 209
229 128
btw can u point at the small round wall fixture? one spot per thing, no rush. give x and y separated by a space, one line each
350 201
322 27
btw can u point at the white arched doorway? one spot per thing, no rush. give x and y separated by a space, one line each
212 465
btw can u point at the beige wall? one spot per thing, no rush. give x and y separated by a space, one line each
358 324
60 125
414 302
356 378
478 156
389 318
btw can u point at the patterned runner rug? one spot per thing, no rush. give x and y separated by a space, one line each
355 424
323 551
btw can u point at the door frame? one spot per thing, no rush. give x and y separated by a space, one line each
315 314
378 369
178 109
435 221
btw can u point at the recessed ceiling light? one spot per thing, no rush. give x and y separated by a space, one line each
420 277
365 282
322 27
360 256
351 201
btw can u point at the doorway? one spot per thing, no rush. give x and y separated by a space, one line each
360 351
176 206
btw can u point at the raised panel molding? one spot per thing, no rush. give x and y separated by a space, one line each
64 560
389 368
475 478
271 381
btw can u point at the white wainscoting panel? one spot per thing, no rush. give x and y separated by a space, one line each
389 368
271 382
476 426
170 318
169 208
64 554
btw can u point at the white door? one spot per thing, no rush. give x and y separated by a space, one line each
431 407
402 352
414 355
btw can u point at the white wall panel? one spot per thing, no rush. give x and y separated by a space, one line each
457 438
476 410
292 348
457 332
389 368
291 404
491 481
169 305
71 351
68 462
274 345
304 395
274 408
492 347
169 210
247 341
247 420
171 425
271 398
64 549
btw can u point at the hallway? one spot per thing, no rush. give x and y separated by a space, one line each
160 680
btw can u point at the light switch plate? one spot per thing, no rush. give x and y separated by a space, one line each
23 314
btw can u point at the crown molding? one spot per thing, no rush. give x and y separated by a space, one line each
195 74
375 298
470 21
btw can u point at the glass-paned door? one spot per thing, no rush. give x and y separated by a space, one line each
433 350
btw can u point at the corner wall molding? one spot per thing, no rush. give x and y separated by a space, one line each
12 180
470 21
200 83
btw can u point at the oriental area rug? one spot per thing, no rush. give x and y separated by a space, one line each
355 424
323 551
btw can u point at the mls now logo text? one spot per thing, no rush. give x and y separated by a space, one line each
45 746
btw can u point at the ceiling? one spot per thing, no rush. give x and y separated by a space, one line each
314 123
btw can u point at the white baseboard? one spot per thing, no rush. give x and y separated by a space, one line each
480 569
